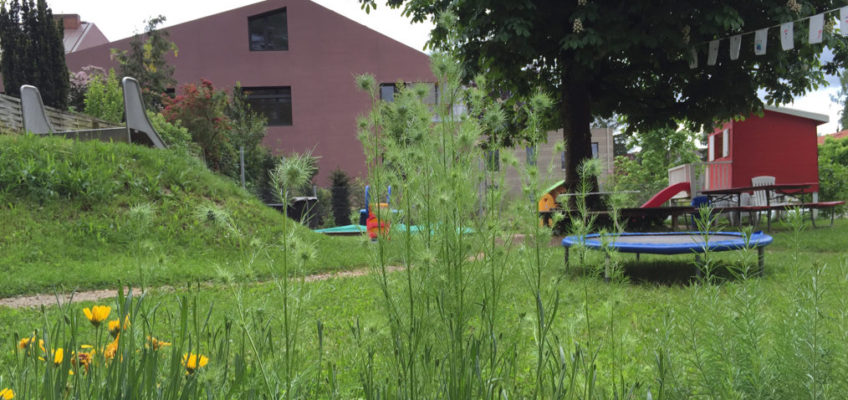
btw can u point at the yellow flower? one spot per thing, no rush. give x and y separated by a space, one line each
58 356
194 361
115 326
97 314
7 394
156 344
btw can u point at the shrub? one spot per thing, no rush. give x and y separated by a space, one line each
833 169
200 109
174 134
104 98
79 86
340 191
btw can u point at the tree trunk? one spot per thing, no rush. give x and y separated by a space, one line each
576 116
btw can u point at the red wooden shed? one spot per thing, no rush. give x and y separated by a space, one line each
781 143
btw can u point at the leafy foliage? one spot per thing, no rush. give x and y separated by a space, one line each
833 169
660 150
104 98
145 61
33 52
176 136
79 85
201 110
596 58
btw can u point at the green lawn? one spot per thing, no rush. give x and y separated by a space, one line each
657 330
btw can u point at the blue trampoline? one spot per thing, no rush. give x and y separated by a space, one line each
671 242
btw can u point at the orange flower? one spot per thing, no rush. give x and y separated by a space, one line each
194 361
111 349
97 314
84 358
26 342
156 344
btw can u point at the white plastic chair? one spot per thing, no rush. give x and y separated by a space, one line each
760 197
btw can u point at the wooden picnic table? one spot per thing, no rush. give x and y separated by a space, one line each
785 188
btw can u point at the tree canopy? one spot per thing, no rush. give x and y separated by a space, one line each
597 58
33 52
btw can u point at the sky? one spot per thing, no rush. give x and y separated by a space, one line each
118 19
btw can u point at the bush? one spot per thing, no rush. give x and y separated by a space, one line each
833 169
176 136
200 109
104 98
340 191
79 86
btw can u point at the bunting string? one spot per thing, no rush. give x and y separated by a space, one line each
787 37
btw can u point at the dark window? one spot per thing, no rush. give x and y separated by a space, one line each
595 150
273 102
387 92
269 31
531 155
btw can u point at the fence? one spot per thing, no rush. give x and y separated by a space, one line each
10 117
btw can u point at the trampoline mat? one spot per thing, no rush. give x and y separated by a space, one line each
673 239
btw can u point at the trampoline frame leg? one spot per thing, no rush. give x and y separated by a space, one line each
698 264
566 259
760 257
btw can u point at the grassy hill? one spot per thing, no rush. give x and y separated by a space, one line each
89 215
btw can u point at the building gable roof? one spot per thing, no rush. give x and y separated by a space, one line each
835 136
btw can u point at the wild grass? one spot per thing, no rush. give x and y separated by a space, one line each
477 312
86 215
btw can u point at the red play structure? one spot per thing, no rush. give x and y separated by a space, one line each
779 146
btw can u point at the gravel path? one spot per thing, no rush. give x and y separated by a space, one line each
39 300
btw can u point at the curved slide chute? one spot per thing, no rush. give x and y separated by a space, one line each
666 194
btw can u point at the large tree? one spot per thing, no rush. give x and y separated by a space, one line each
33 52
631 58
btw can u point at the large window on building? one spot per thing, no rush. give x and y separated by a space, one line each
275 103
389 90
269 31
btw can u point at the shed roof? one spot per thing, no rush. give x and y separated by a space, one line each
799 113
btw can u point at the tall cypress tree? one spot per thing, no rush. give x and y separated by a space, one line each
33 52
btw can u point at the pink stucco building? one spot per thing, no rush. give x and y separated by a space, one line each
297 60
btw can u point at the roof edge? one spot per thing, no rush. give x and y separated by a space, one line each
799 113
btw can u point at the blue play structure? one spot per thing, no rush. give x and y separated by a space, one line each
671 243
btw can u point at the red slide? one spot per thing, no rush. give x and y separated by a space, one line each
666 194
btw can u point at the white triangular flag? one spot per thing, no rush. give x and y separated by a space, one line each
735 45
693 58
760 40
712 56
787 35
816 28
843 21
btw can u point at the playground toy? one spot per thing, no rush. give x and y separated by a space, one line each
671 243
137 130
377 223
